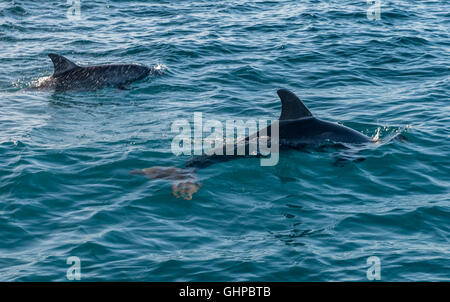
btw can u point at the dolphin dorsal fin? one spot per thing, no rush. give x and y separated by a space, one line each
61 64
291 106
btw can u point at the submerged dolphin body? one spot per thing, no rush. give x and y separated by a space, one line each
298 128
68 75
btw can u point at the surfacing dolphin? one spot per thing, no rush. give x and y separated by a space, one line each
298 128
69 76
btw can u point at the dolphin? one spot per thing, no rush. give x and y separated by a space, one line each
297 127
69 76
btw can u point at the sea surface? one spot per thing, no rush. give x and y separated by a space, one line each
65 158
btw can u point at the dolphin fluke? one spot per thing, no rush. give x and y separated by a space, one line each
184 181
291 106
61 64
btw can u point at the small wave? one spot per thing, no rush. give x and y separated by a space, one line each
387 134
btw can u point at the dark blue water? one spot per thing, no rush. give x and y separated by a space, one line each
65 187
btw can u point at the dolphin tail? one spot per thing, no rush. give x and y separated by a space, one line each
184 181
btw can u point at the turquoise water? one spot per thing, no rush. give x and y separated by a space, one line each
65 187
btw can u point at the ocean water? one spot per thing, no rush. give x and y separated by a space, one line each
65 158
